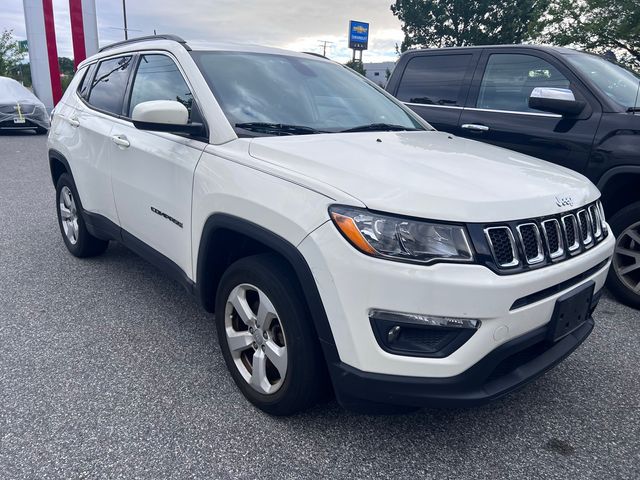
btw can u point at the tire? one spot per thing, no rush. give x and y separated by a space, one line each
624 276
74 231
267 283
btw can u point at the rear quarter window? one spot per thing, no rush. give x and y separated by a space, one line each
434 80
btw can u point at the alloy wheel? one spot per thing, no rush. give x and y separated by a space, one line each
256 338
69 215
626 258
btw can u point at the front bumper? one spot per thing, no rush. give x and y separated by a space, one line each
505 369
352 284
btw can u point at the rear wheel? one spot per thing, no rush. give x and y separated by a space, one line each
624 276
266 336
74 231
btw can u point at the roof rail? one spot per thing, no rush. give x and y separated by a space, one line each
167 36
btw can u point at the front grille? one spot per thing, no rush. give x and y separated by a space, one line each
545 240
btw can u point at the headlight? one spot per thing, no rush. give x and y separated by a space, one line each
400 238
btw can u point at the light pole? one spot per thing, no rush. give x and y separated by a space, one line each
124 13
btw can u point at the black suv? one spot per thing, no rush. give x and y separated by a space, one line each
561 105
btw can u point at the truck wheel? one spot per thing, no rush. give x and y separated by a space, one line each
74 231
624 276
267 336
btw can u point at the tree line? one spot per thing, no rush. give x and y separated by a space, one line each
600 26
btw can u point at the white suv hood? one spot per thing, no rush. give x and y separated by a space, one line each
430 174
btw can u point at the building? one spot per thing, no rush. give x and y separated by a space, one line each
377 72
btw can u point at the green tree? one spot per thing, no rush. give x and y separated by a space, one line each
357 66
448 23
10 55
598 26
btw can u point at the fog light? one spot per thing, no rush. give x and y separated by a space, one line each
421 335
393 334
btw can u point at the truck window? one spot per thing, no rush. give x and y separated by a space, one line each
509 79
434 80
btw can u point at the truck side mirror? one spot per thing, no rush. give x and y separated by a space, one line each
561 101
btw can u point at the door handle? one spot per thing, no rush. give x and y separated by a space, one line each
120 140
475 127
73 122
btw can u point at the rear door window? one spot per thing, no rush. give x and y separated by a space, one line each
510 78
435 80
109 85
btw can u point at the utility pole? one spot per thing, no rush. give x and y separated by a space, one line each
124 13
324 44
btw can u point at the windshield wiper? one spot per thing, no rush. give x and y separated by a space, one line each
379 127
277 128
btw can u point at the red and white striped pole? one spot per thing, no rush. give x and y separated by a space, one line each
84 29
43 53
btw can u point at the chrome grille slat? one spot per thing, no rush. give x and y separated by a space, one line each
596 223
584 227
531 242
554 226
570 226
496 250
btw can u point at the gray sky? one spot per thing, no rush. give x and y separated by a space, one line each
292 24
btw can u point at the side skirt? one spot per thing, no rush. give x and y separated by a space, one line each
103 228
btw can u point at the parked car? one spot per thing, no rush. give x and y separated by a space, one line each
568 107
20 109
333 232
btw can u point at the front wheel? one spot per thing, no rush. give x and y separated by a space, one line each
267 336
624 276
74 231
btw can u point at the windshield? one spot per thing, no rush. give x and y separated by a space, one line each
614 81
298 95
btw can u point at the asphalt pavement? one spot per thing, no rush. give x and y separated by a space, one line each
108 369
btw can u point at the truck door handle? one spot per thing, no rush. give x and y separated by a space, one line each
475 127
73 122
120 140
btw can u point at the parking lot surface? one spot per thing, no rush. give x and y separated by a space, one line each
110 370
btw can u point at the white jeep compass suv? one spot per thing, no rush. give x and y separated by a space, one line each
341 242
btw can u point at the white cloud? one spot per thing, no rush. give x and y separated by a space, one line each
292 24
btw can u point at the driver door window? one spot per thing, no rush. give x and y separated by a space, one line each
158 78
509 80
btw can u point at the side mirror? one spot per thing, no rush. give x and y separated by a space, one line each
555 100
164 116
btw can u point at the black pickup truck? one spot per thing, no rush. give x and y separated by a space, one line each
565 106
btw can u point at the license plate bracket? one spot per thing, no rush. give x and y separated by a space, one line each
571 311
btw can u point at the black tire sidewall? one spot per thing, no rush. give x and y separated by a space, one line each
303 382
619 222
